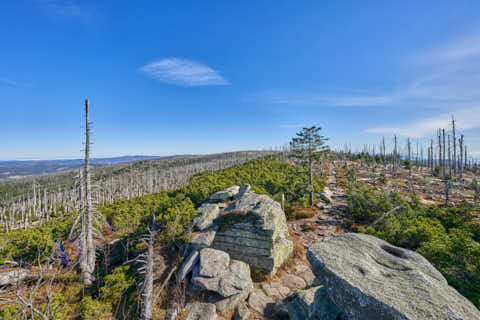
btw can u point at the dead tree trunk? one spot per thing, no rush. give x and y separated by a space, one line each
454 165
147 289
87 258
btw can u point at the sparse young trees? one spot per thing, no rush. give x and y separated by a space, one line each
308 147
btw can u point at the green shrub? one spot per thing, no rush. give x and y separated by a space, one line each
91 309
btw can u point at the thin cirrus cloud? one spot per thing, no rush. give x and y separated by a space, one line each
466 119
183 72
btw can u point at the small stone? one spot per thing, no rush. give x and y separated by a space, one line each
293 282
244 189
309 277
300 268
225 305
201 311
261 303
224 195
203 239
242 312
271 292
284 291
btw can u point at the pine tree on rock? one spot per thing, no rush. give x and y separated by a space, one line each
308 148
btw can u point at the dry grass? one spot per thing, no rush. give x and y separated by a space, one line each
302 213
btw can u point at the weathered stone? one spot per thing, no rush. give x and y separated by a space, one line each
12 276
312 303
370 279
188 265
243 190
309 277
254 230
242 312
284 291
204 238
225 195
225 305
215 272
326 195
201 311
293 282
261 303
207 213
271 291
213 263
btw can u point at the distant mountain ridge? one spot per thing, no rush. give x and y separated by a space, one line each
20 168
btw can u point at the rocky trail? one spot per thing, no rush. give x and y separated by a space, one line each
328 219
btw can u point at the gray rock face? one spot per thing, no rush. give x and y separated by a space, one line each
230 280
207 213
213 263
204 238
243 189
367 278
312 303
254 230
201 311
12 276
261 303
225 195
242 312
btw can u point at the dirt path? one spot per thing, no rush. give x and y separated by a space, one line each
328 218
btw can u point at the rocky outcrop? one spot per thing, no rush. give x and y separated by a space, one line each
12 276
243 189
229 279
253 229
201 311
367 278
225 195
207 213
312 303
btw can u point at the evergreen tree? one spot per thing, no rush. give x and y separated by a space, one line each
307 147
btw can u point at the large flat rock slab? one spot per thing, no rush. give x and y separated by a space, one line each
367 278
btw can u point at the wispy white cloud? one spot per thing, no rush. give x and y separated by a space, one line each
64 8
466 119
183 72
13 83
446 77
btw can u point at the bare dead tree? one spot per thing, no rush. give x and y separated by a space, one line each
454 149
147 271
87 248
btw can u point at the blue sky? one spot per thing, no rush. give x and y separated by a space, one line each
174 77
